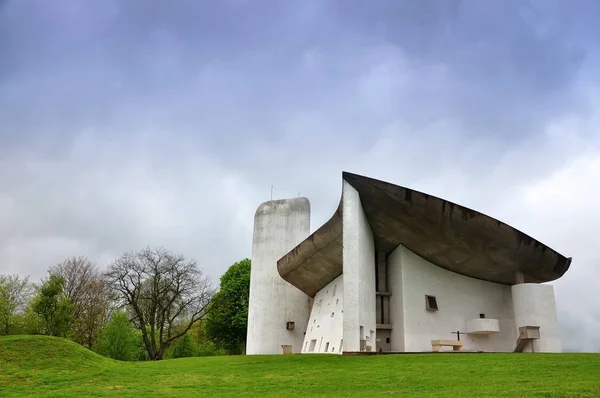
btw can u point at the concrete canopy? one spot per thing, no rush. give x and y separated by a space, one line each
449 235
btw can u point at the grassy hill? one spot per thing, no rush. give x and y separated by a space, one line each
40 366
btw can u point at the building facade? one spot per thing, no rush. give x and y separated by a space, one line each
396 270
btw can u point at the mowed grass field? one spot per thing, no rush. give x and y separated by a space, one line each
37 366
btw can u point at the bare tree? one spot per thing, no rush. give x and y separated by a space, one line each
76 272
93 311
91 296
165 294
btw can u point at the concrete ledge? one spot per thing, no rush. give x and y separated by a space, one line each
483 326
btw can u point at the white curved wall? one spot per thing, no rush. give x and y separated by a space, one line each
325 326
360 309
279 226
534 305
460 299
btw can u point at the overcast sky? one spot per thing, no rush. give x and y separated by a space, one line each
132 123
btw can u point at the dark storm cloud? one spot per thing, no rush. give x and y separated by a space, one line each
506 72
194 63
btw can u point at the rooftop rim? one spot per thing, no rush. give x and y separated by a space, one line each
449 235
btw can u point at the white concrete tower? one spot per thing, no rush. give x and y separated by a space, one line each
534 305
279 226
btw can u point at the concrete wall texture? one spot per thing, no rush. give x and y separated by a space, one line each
325 330
534 305
395 283
459 299
343 314
279 226
359 273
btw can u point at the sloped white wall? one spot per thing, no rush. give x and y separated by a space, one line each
325 326
359 273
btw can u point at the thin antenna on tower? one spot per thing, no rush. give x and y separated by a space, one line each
271 192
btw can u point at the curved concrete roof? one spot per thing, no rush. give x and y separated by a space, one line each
447 234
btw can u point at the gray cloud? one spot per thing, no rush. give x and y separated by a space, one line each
124 124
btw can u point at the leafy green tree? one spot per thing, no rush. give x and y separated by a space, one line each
227 319
182 348
28 322
15 293
204 346
53 307
118 339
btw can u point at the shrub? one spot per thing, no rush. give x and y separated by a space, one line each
118 339
209 349
182 348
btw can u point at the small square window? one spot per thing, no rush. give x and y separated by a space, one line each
387 340
482 316
431 303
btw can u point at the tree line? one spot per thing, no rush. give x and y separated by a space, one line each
146 305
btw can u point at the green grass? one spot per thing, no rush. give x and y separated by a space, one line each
40 366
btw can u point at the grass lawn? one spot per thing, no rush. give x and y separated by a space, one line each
40 366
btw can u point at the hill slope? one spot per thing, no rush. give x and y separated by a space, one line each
45 366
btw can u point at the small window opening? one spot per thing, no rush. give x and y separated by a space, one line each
332 314
482 316
431 303
334 290
326 347
387 340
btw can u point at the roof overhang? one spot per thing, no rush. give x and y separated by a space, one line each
449 235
